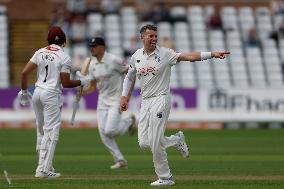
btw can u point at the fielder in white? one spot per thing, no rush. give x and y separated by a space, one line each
107 72
152 66
53 69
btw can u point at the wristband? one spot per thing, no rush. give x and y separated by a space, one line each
205 55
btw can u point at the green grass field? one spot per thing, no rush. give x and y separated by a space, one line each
231 159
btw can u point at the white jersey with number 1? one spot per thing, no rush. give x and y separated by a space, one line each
50 61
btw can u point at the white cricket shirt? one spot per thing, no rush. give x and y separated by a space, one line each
154 70
109 75
50 61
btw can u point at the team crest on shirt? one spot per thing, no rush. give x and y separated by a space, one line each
138 61
157 58
160 114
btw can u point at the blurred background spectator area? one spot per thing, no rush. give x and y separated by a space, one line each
251 29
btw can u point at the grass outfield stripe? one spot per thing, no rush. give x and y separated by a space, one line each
175 157
148 177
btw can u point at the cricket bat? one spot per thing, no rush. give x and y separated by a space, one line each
84 72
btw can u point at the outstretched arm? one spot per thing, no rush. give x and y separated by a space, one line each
198 56
67 82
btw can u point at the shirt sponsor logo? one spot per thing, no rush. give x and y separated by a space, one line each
147 71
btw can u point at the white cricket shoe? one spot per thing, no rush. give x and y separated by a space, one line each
40 174
49 175
52 169
132 127
182 146
122 164
163 182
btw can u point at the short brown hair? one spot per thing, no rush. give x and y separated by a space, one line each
149 27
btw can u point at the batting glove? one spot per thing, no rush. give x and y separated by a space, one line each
24 97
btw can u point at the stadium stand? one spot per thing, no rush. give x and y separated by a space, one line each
246 31
257 66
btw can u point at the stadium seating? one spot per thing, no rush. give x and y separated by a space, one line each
248 66
256 67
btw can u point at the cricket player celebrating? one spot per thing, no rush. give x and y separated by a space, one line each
107 72
53 69
152 66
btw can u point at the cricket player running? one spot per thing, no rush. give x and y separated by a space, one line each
53 69
152 65
107 72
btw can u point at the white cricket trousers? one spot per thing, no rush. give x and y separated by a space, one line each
111 125
47 107
153 117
